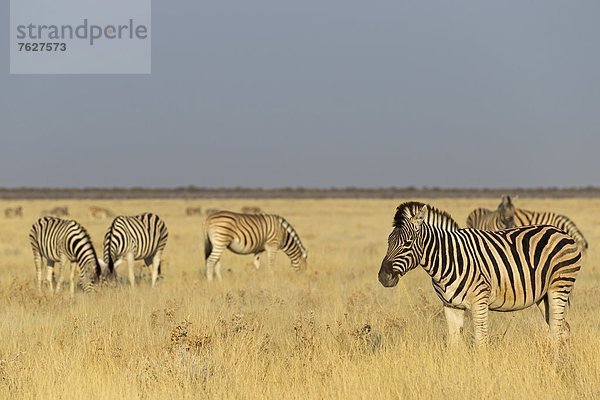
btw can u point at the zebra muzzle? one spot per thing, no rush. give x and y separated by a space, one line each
386 276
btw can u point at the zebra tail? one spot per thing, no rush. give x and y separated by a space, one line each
207 246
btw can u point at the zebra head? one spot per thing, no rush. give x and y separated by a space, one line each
506 212
404 248
299 263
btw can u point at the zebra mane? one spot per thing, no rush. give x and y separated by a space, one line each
89 238
434 216
290 230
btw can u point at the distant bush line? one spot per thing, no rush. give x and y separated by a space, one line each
193 192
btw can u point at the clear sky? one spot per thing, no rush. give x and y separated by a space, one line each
323 93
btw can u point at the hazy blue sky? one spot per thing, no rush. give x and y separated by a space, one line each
323 93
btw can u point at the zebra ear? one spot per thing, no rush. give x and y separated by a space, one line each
506 200
420 216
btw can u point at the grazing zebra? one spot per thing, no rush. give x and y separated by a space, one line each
480 271
250 233
63 241
190 211
133 238
488 220
13 212
251 210
57 212
100 213
522 217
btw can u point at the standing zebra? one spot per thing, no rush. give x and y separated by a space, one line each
250 233
133 238
520 217
488 220
480 271
63 241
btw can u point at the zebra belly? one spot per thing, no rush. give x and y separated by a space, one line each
238 247
500 303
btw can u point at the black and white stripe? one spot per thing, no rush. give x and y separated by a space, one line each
507 216
481 271
64 242
139 237
250 234
501 218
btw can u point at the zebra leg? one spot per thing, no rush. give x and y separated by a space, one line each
50 275
37 260
213 259
455 319
271 258
59 273
257 259
72 283
560 330
480 313
130 269
155 267
58 277
218 270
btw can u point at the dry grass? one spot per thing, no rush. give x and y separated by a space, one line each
331 332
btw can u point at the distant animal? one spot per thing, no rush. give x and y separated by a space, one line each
251 210
210 211
64 242
507 212
250 234
190 211
480 271
100 213
488 220
57 212
139 237
13 212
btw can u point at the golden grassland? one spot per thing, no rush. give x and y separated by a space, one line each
280 334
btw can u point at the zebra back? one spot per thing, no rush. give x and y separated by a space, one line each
526 217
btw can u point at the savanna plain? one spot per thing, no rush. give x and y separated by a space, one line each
331 331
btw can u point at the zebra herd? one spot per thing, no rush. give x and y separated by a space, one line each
505 260
56 240
144 237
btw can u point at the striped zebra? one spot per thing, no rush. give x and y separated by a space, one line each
250 233
481 271
63 241
139 237
488 220
523 217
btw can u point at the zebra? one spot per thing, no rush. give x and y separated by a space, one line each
251 210
100 213
480 271
190 211
63 241
488 220
250 233
133 238
521 217
13 212
57 212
